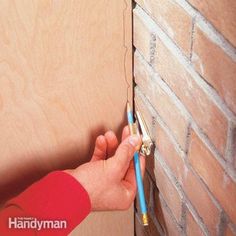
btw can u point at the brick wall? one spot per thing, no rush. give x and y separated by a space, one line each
185 75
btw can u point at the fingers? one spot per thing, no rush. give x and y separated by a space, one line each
130 175
112 143
125 153
106 145
129 181
125 133
100 149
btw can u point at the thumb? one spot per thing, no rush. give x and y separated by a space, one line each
125 152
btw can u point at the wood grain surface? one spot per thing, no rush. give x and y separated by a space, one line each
63 66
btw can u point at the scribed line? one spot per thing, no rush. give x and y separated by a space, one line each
126 49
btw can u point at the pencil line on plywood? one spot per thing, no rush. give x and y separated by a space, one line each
126 49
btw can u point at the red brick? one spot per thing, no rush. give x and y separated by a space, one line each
147 187
200 199
173 19
141 37
147 114
212 173
150 166
158 209
222 14
169 226
229 231
206 58
169 153
206 114
192 228
168 191
234 146
161 101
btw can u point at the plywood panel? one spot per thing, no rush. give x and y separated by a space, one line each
63 66
107 224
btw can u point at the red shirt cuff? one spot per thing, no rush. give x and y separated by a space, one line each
58 196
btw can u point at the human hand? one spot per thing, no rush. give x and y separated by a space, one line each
109 178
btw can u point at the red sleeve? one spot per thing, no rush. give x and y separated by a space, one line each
55 205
